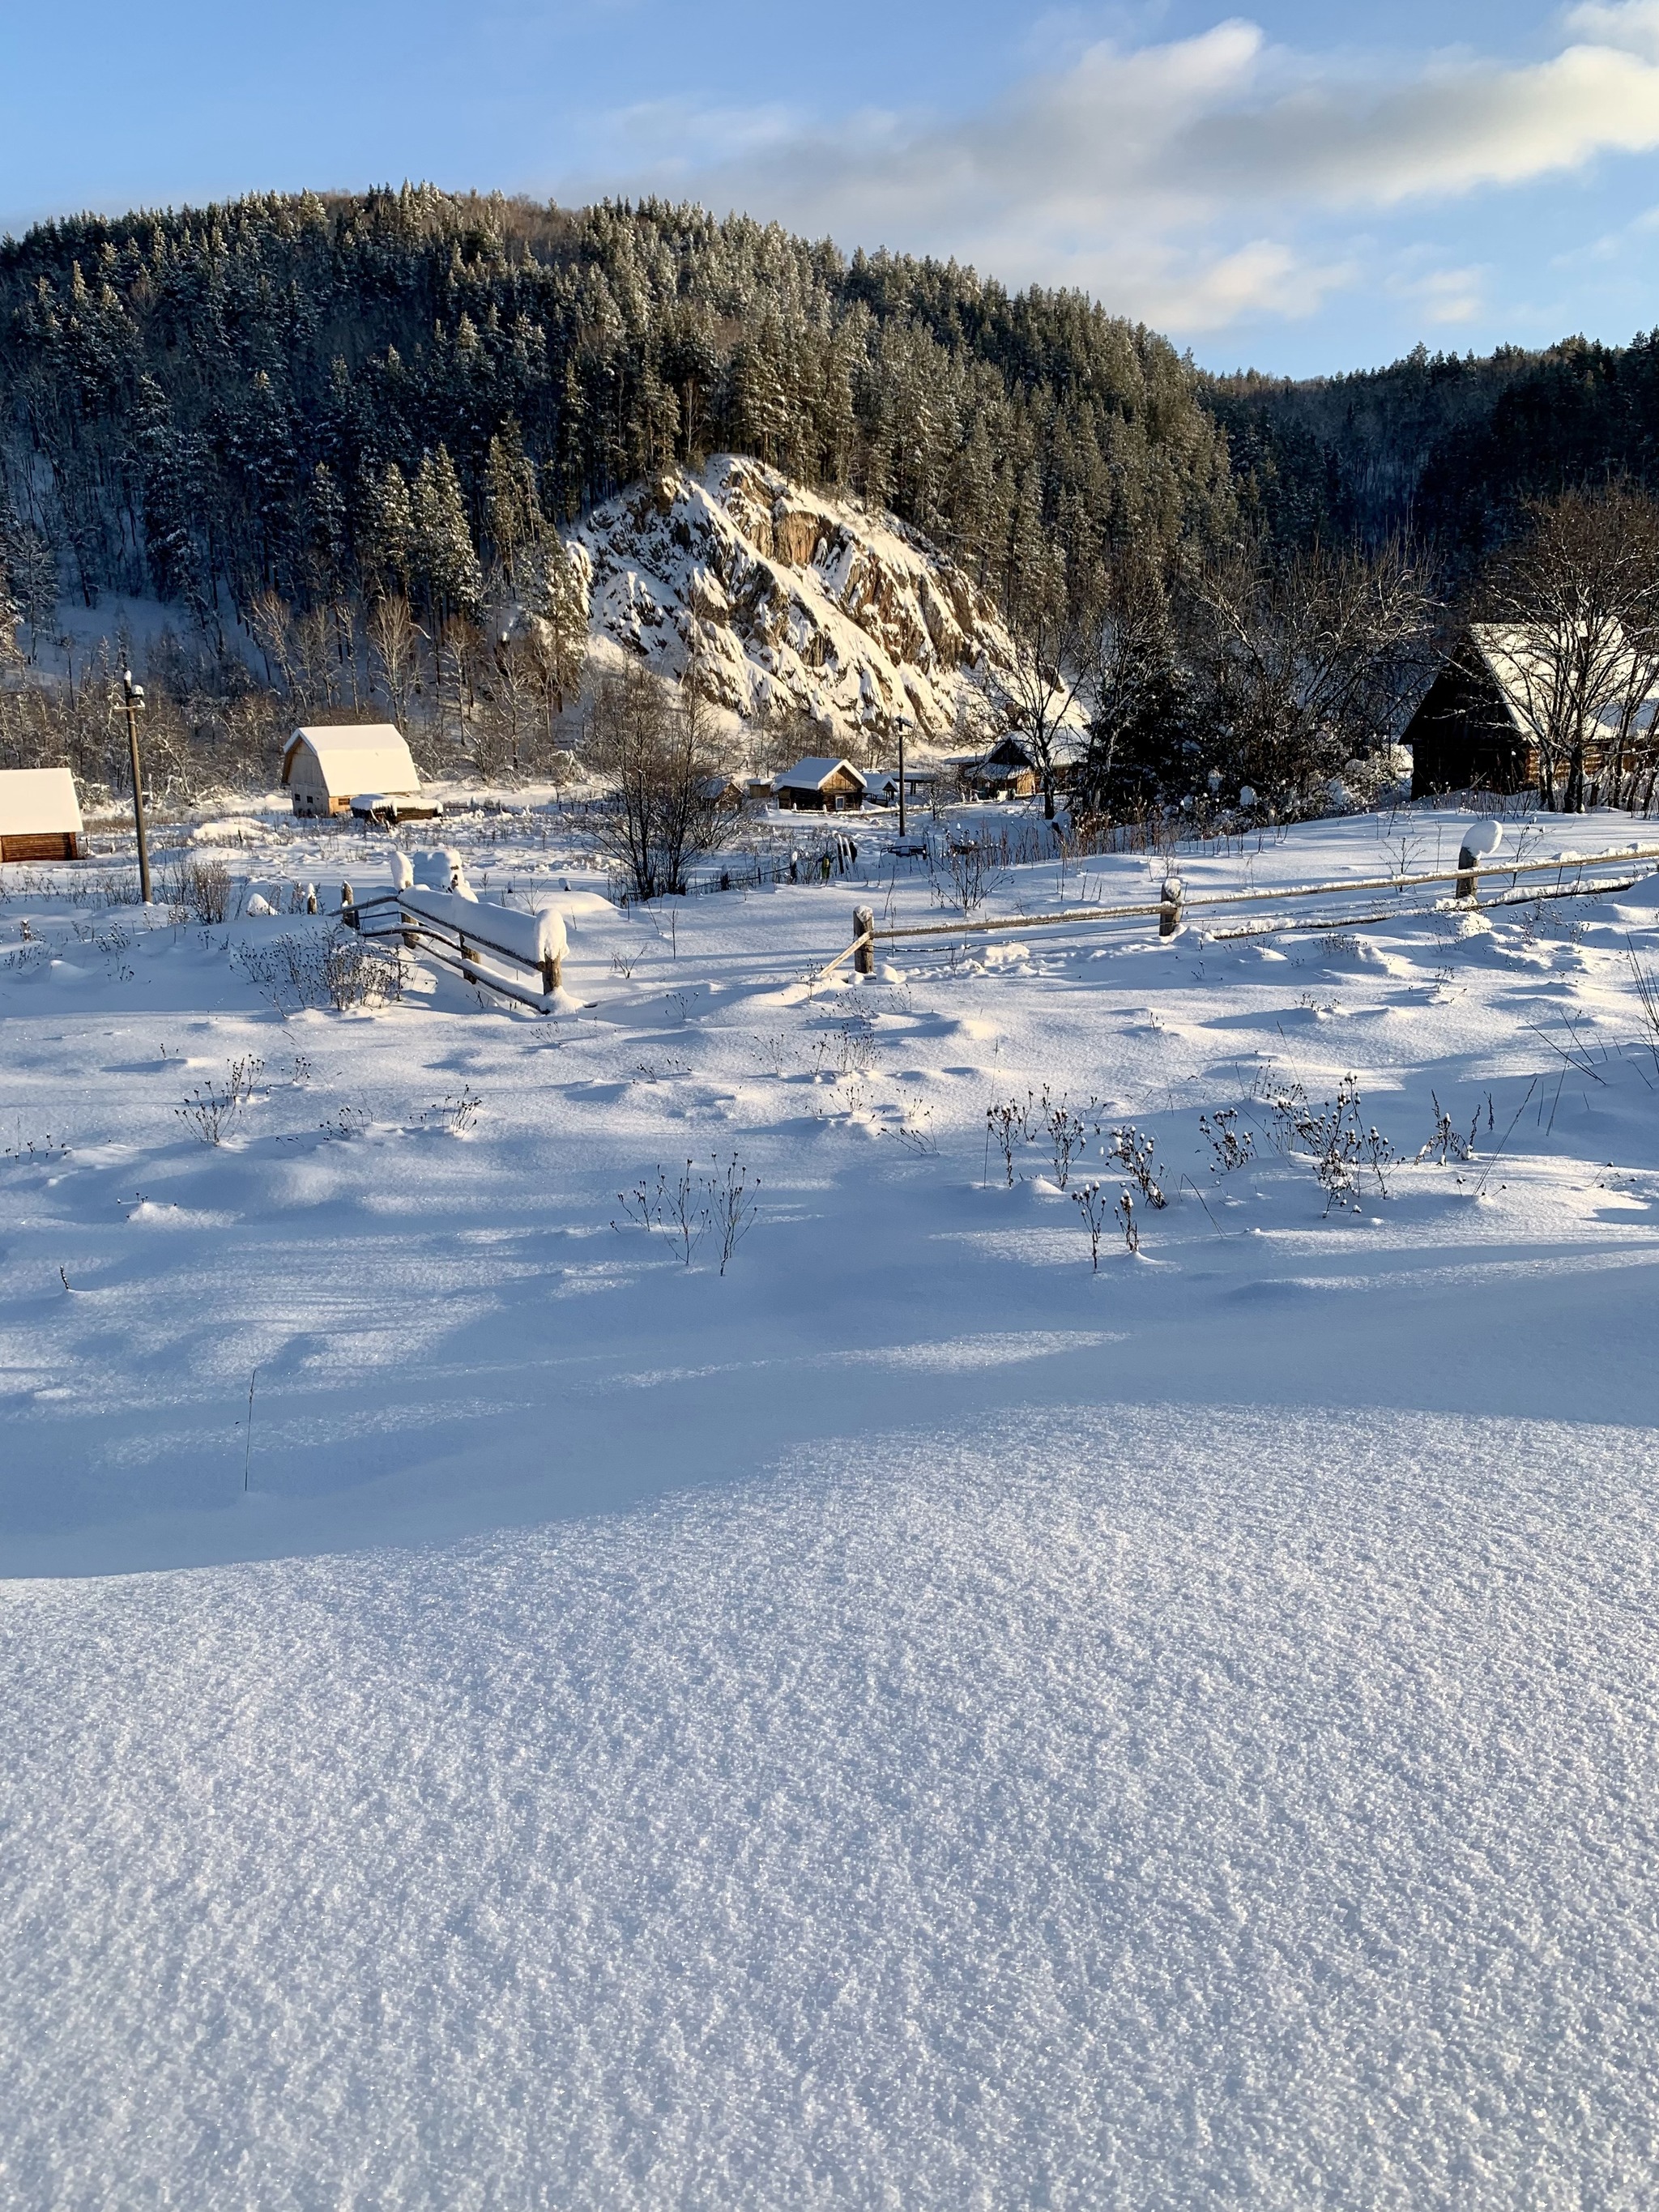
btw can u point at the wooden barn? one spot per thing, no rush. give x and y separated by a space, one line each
40 815
326 766
1007 771
1479 726
820 785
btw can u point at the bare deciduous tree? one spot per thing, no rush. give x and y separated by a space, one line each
1579 590
1051 617
1299 665
395 642
656 745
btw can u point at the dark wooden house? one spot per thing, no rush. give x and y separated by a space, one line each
1007 771
1482 725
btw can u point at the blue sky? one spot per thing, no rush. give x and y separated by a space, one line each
1297 187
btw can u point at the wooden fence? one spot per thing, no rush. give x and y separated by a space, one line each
466 949
1172 903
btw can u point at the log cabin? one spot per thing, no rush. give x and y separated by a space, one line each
40 815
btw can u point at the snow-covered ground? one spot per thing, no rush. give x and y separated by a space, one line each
913 1720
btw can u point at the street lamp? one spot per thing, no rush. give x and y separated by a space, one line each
134 707
901 745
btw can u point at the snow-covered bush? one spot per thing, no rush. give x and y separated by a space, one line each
313 969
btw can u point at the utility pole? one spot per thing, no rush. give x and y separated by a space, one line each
134 707
901 740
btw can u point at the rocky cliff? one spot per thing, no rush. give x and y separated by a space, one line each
793 601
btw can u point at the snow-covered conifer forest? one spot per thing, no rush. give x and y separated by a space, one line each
960 1518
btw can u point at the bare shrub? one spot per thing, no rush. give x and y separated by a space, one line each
212 1109
1231 1147
1008 1125
207 884
313 968
1090 1202
458 1116
732 1204
1126 1214
1335 1138
969 872
1136 1152
1067 1133
1449 1143
684 1207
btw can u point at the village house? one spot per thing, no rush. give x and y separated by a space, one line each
1484 722
1007 771
327 766
818 785
40 815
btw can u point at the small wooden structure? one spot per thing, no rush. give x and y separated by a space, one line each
882 785
1007 771
40 815
326 766
818 785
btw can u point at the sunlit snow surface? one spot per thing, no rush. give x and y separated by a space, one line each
913 1721
1136 1807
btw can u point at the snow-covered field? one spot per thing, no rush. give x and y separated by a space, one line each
913 1720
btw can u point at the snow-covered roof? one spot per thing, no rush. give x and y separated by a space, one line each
1522 660
814 772
38 802
355 757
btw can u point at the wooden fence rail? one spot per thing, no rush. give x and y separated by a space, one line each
1173 903
457 946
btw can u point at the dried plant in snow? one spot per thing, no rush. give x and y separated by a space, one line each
212 1109
1136 1152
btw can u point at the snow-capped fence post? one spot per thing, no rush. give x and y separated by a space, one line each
348 908
1168 912
864 924
1479 842
552 973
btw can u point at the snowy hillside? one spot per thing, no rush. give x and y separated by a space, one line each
915 1718
792 599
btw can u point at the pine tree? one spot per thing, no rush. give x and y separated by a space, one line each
386 535
444 557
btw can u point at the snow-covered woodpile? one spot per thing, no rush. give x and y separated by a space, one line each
40 815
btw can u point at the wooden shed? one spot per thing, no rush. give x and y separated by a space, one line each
40 815
818 785
1007 771
326 766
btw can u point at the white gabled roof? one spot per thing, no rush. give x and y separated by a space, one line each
813 773
1521 663
38 802
355 756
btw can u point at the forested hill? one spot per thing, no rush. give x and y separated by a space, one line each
1451 446
303 395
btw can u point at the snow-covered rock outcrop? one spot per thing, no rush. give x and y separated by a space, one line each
793 599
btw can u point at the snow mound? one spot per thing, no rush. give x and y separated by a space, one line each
1086 1807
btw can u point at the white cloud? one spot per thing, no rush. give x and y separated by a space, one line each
1176 181
1630 23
